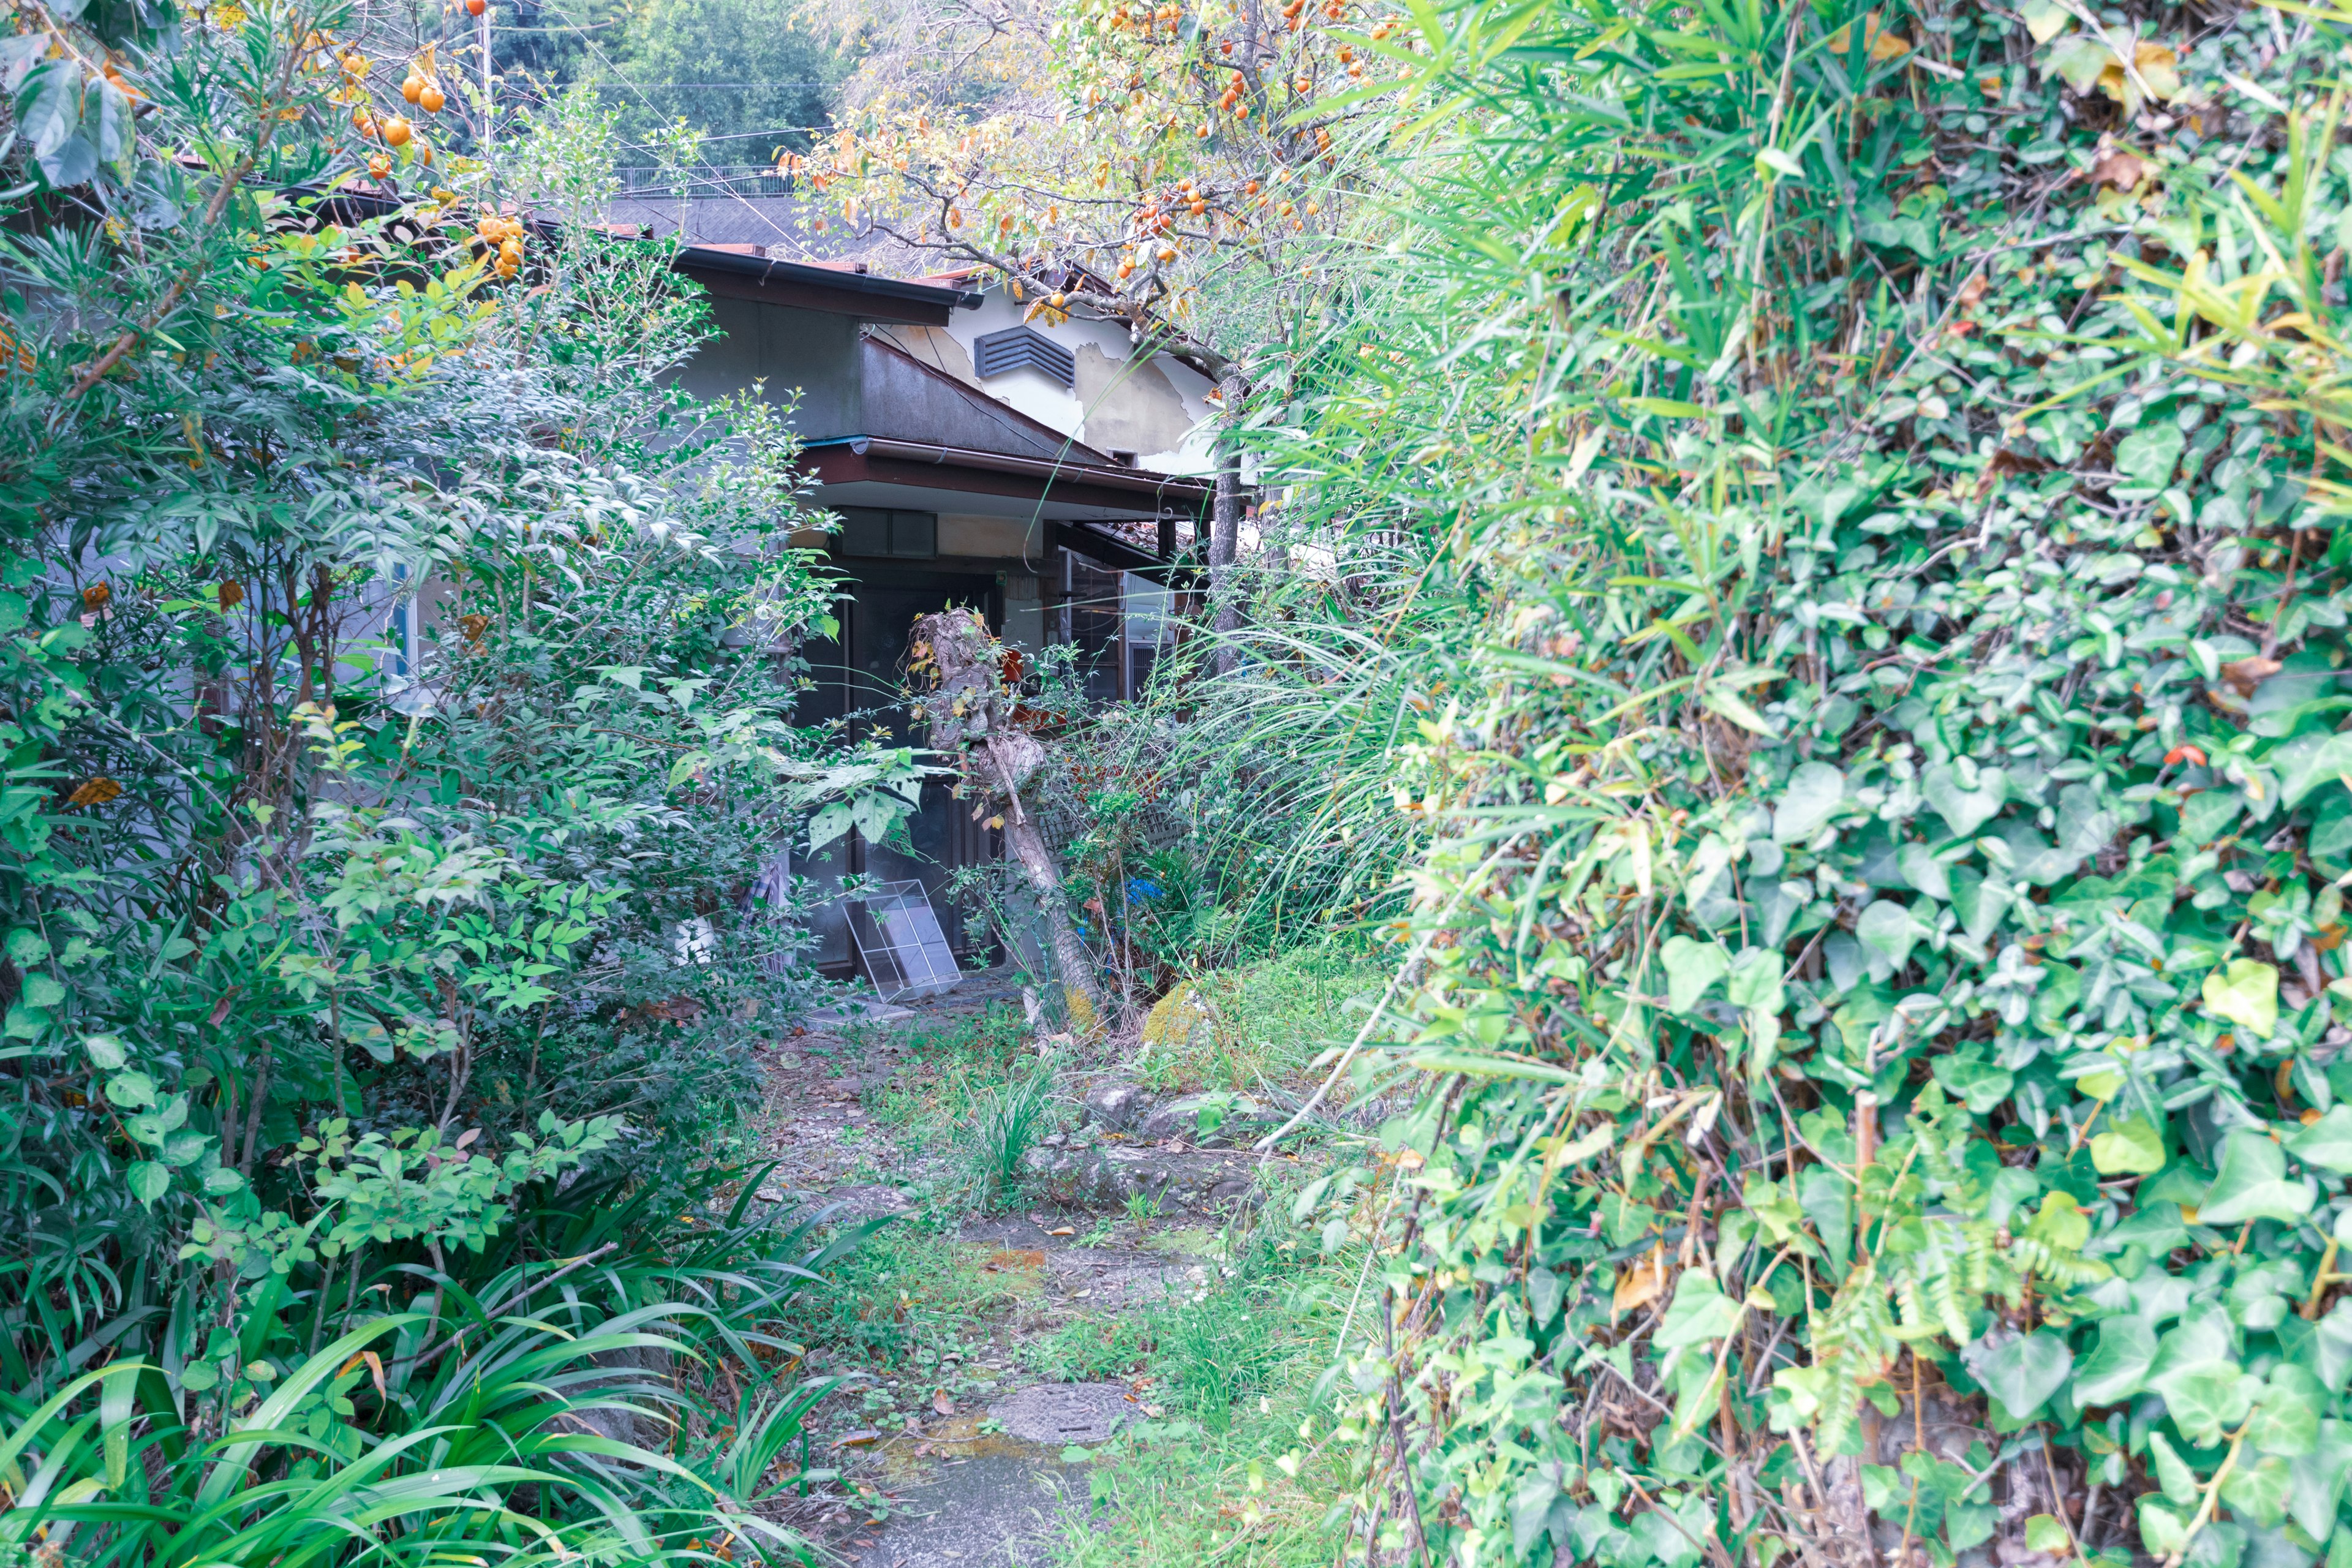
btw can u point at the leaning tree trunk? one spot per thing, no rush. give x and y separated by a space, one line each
970 715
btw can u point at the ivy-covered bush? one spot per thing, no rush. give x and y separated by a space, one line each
1877 974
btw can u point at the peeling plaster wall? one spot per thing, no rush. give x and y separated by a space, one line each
1156 412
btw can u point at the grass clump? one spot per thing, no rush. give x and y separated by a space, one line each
1007 1120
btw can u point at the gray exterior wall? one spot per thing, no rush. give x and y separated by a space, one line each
812 351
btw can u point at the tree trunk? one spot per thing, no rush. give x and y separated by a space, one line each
1081 993
1224 530
970 709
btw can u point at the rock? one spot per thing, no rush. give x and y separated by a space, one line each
1178 1021
1241 1119
1116 1105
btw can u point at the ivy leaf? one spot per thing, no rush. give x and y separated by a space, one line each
2080 59
2172 1472
1700 1312
2286 1422
2023 1373
2129 1147
1885 928
2045 19
2252 1184
2207 1399
1964 810
1978 1082
2246 994
1755 982
2116 1369
2260 1490
2319 1478
2327 1142
1813 792
2046 1533
1691 967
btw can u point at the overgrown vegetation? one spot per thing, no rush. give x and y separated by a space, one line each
1875 960
346 948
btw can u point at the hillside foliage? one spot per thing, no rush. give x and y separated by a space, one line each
1874 969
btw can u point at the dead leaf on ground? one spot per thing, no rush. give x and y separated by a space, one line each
1639 1283
1973 290
858 1439
941 1403
2245 674
2118 167
1063 1230
2002 462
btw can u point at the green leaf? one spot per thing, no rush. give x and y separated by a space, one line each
2023 1373
2046 1533
2319 1480
2045 19
2206 1399
1700 1312
1964 808
149 1181
2246 994
2327 1142
2172 1472
1754 982
1691 967
1813 792
2252 1184
2116 1370
2128 1147
1975 1081
1885 927
2260 1488
2080 59
2286 1421
130 1088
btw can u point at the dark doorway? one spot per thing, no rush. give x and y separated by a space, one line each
858 677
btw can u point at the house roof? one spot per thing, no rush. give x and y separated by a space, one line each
836 289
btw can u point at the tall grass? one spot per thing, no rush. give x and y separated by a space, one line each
1006 1122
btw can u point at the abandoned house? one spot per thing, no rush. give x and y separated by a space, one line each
1040 472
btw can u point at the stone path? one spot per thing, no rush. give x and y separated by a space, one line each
989 1470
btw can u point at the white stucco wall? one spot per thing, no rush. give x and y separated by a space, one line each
1154 409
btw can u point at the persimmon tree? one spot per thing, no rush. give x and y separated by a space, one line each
1192 173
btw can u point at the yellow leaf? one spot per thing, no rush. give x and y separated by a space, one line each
1887 45
2159 67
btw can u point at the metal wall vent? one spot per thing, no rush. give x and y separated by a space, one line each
1014 347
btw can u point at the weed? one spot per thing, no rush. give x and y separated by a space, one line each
1007 1120
1089 1349
908 1290
890 1105
1143 1208
1104 1233
1265 1022
1217 1349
